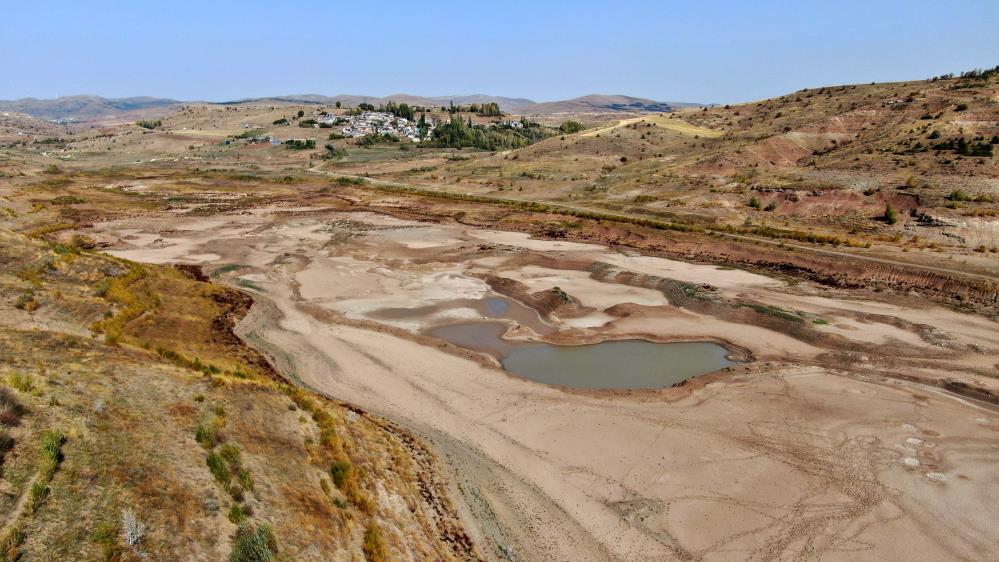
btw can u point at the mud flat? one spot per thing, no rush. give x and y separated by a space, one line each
836 441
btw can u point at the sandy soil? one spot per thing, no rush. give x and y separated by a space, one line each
793 456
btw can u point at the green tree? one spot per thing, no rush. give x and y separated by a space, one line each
569 127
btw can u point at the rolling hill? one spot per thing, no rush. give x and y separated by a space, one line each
88 108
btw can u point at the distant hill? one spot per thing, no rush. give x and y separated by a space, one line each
594 104
603 104
87 108
94 108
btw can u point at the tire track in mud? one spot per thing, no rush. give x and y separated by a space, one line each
809 528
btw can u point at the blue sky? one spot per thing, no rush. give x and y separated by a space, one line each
722 51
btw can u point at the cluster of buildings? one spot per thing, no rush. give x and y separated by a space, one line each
377 123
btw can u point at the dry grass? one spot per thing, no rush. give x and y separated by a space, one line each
191 453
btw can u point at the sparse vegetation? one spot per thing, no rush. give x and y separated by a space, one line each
217 467
374 545
958 195
253 543
891 215
11 542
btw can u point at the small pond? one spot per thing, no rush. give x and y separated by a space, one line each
622 364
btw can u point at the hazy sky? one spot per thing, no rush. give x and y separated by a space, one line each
721 51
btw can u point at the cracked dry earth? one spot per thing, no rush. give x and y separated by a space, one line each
787 457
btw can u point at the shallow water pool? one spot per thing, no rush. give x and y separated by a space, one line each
623 364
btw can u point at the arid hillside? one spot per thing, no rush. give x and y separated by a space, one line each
908 165
135 425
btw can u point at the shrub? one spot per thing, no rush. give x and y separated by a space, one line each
217 466
374 545
106 535
9 551
21 382
342 180
36 496
10 409
209 433
961 107
891 215
149 124
51 454
245 479
7 443
570 127
771 206
281 121
340 472
236 514
299 144
132 529
230 453
253 544
754 202
958 195
334 153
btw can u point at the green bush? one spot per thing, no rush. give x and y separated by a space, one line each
569 127
230 453
236 514
245 479
334 153
958 195
349 181
217 466
754 202
51 454
208 433
36 496
299 144
253 544
340 472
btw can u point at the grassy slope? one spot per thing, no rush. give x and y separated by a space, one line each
130 417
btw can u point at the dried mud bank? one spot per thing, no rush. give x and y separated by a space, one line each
818 448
